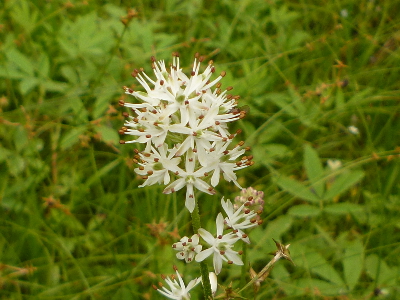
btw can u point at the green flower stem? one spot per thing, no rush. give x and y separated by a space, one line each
244 267
203 266
261 273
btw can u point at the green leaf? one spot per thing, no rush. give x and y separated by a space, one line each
108 134
314 169
304 210
302 285
317 264
380 272
43 66
296 188
353 263
71 137
27 84
343 208
343 182
23 63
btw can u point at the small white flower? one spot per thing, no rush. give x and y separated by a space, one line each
353 130
191 179
344 13
221 246
187 248
334 164
177 289
239 219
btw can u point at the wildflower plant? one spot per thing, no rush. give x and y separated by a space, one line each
182 124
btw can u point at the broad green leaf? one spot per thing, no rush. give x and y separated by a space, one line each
317 264
296 188
54 86
353 263
23 63
16 164
380 272
27 84
304 210
4 153
43 66
70 74
343 182
304 286
314 169
284 102
103 100
21 138
278 226
343 208
71 137
108 134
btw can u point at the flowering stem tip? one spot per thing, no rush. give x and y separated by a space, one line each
182 122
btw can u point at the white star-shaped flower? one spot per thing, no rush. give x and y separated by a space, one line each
239 219
177 289
221 246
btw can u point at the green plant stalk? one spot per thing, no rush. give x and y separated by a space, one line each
261 273
196 224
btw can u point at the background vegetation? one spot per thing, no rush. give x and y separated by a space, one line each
75 225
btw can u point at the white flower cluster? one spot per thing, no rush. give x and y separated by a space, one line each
221 244
182 123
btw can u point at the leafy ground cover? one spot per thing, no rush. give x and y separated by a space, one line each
321 80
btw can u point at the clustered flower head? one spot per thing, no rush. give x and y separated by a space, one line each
187 248
182 122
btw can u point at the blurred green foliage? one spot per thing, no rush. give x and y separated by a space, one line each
74 224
